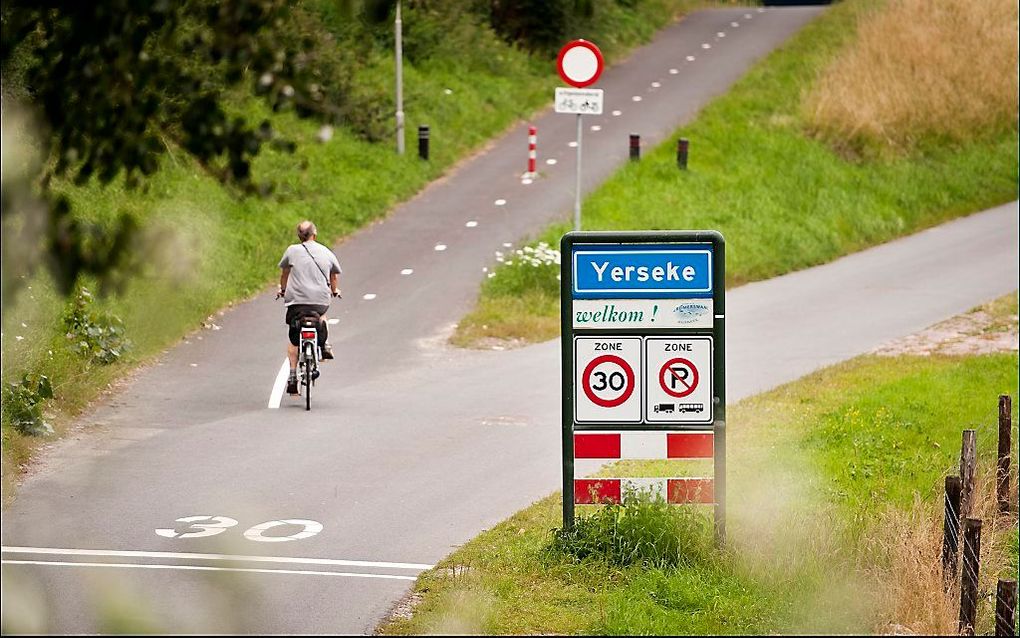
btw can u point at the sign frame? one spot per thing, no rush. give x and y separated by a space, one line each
620 241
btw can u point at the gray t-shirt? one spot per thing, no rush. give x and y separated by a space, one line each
309 270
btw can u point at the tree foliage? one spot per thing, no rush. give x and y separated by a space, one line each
115 83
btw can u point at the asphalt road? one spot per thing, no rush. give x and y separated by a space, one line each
412 447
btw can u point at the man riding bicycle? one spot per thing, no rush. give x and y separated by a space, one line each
309 274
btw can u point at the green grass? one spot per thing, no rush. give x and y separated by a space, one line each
204 248
783 200
813 466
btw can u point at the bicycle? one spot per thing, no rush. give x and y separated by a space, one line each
308 355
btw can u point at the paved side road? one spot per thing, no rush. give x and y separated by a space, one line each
412 448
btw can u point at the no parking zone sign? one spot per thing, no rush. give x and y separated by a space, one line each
643 347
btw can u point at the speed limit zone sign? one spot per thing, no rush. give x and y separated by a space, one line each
608 378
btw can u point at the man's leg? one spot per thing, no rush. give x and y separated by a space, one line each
327 351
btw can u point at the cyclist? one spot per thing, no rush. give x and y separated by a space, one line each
309 277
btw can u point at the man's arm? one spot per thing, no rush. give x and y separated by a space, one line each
284 276
334 283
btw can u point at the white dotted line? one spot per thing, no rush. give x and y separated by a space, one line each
596 127
690 58
407 271
552 162
617 113
440 247
369 296
636 98
471 224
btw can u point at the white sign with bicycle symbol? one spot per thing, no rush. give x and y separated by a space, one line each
607 380
679 380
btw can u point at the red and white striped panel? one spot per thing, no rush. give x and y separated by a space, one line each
643 445
673 490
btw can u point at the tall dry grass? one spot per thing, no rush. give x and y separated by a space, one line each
907 546
920 71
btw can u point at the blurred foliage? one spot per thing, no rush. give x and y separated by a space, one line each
93 335
23 401
108 86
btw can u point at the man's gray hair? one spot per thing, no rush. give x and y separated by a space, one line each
306 230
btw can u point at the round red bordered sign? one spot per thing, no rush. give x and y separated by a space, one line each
580 63
628 388
678 377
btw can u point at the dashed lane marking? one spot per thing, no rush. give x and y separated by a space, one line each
674 71
369 296
471 224
440 247
405 271
551 161
278 386
617 113
500 202
690 58
636 98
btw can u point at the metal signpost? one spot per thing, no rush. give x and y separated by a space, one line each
580 64
644 361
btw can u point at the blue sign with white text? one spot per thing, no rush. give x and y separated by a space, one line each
637 271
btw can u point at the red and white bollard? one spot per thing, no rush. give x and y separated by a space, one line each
532 154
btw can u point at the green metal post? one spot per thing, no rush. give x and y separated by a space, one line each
567 370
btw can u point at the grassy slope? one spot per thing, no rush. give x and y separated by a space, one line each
813 466
783 201
205 248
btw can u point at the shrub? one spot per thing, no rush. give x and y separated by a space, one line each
643 530
95 336
527 269
22 404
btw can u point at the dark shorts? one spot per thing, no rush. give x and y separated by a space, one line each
294 315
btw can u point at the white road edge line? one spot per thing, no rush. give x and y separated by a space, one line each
195 556
204 568
277 394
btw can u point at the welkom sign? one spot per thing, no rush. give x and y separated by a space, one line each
643 347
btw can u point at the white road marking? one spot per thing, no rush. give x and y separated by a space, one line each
278 386
674 71
617 113
205 568
290 560
636 98
551 161
656 85
571 145
721 34
734 24
440 247
706 45
405 271
690 58
369 296
596 127
194 365
500 202
526 180
335 321
311 528
748 16
470 224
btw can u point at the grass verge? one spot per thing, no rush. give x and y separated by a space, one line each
834 520
784 198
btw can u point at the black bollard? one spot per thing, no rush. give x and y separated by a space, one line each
423 142
681 153
635 147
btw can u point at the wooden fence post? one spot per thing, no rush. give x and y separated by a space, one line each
968 466
951 532
1002 473
969 583
1005 608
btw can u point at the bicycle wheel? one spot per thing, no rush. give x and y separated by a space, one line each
309 362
